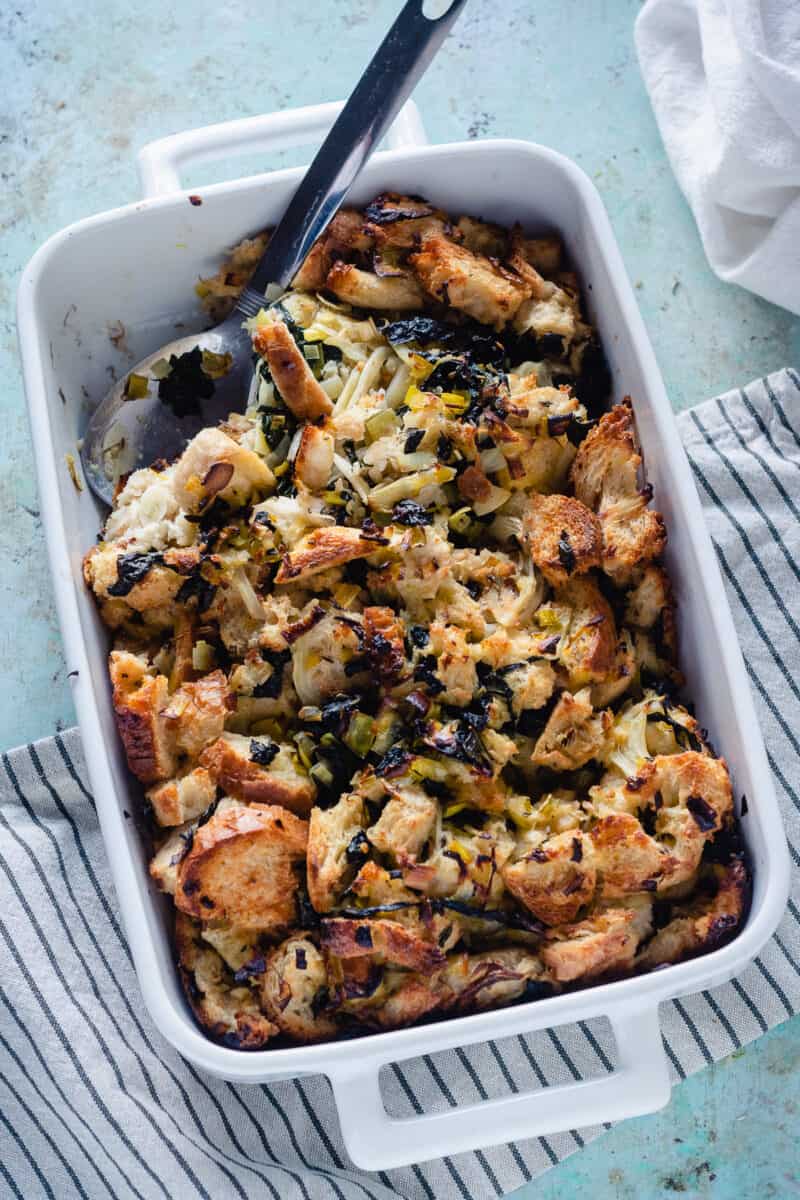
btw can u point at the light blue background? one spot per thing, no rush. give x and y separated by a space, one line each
86 84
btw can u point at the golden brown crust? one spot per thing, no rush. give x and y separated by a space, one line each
605 475
294 379
197 712
240 868
391 941
365 290
384 641
314 459
178 800
139 700
555 880
603 944
564 536
627 859
703 923
296 976
573 735
331 833
588 647
227 1012
323 548
471 282
230 762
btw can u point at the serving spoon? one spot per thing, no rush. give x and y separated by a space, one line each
126 430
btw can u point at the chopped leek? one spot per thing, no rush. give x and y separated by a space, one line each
322 774
216 365
360 734
388 494
203 657
306 748
380 424
136 387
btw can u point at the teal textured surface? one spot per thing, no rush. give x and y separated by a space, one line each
89 85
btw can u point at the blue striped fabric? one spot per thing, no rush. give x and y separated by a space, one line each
94 1103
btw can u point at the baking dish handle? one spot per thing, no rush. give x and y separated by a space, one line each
376 1141
161 162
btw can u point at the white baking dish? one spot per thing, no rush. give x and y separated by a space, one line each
138 265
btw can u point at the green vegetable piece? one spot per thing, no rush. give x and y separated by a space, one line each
380 424
322 774
461 521
136 387
360 734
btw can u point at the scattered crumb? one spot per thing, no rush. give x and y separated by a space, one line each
116 335
196 200
73 472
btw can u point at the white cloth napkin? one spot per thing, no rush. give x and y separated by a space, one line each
724 81
96 1105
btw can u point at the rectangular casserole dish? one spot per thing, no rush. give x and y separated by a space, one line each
137 265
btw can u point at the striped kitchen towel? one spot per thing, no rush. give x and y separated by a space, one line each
94 1102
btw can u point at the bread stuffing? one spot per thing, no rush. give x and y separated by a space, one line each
394 653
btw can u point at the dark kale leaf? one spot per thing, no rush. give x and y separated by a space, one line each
394 761
263 752
425 672
357 851
187 383
271 688
196 587
566 555
131 569
413 440
418 636
408 512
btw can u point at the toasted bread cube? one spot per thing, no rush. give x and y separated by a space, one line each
228 1013
197 712
573 735
554 880
399 293
335 847
492 978
389 940
400 222
243 768
166 861
314 459
213 465
482 237
385 645
237 947
701 924
603 944
295 977
332 546
241 867
627 859
294 379
178 800
139 699
605 475
564 536
470 282
588 647
405 824
159 577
